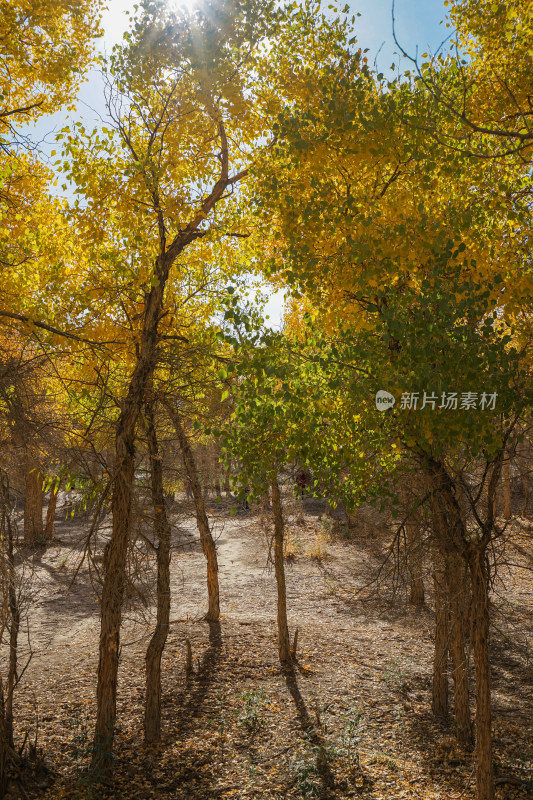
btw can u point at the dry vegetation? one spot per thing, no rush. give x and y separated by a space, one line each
353 721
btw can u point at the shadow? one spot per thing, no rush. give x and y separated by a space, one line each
190 701
313 736
77 599
184 713
185 539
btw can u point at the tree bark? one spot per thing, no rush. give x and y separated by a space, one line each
452 533
6 568
14 627
284 646
33 503
51 511
439 703
506 478
415 562
12 622
457 598
414 549
480 624
206 540
152 705
117 548
4 744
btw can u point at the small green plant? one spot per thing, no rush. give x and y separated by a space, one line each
80 743
524 766
80 754
398 674
252 770
399 716
352 735
249 716
305 776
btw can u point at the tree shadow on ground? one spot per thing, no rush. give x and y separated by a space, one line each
311 735
192 776
190 700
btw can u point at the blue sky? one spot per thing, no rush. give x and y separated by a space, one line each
418 22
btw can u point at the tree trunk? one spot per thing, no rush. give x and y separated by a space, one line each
206 539
450 528
216 458
121 504
51 511
227 487
524 477
457 597
204 472
284 646
14 627
413 547
416 592
4 744
506 477
439 703
152 706
415 562
11 620
4 736
480 633
451 608
33 503
117 548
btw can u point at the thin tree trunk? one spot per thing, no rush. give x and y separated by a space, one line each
413 548
284 646
506 477
206 540
11 620
215 459
14 627
524 477
51 511
204 473
480 634
152 706
457 596
453 536
439 702
33 503
117 548
5 567
414 556
4 744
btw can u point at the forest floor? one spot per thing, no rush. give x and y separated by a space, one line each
353 722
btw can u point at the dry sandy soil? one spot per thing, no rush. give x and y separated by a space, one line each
354 720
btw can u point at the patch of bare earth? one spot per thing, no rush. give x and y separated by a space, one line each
353 721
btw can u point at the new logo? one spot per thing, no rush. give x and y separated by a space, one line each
384 400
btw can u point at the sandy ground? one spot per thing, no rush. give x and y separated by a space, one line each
237 727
